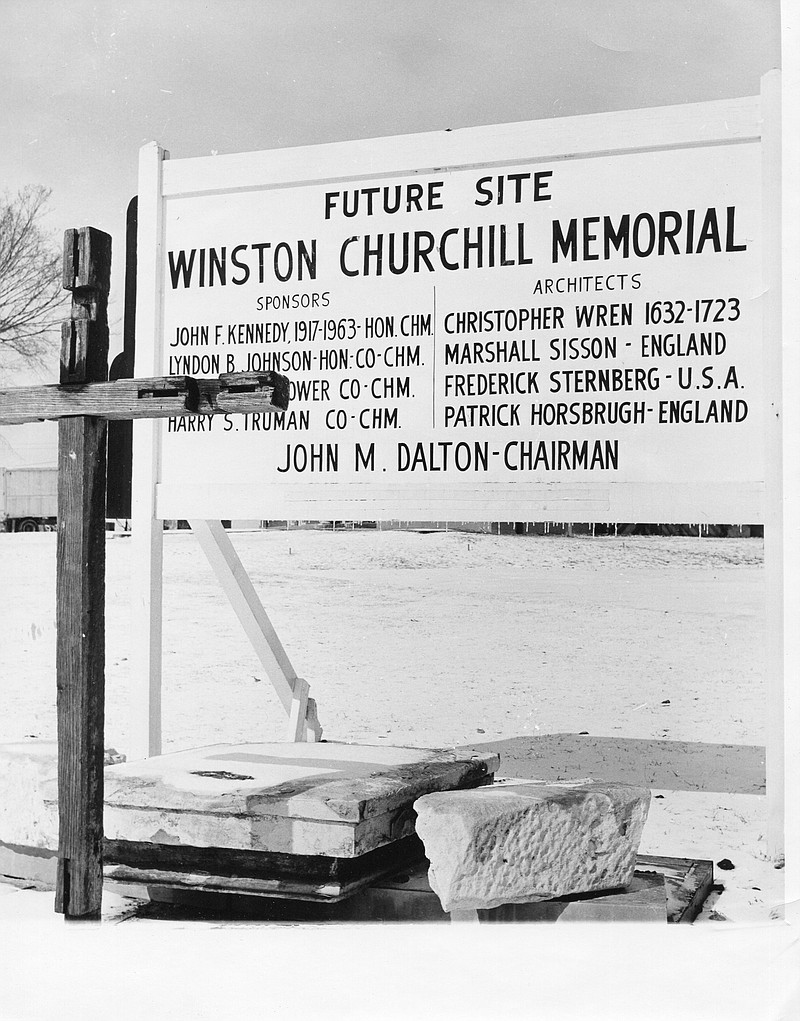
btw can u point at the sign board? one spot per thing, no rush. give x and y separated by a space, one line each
556 320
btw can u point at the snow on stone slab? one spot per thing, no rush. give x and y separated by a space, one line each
332 799
28 770
25 768
529 841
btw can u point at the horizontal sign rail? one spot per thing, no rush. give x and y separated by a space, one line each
159 397
719 122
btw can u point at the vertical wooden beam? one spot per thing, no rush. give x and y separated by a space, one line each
80 584
147 531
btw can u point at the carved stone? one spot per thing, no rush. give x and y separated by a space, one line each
530 841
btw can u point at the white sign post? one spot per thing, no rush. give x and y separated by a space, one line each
556 320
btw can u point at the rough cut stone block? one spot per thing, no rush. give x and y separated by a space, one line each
530 841
29 811
25 819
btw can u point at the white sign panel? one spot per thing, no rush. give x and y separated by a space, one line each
532 337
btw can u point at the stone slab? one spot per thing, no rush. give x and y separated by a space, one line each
26 820
644 900
29 794
329 799
29 867
404 897
524 841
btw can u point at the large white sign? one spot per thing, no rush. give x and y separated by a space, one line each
553 329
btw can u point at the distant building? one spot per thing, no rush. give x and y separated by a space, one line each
34 445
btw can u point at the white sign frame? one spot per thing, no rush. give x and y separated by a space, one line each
556 496
750 120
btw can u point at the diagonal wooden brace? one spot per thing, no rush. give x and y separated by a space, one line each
236 584
296 729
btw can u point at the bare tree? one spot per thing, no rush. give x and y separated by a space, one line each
32 301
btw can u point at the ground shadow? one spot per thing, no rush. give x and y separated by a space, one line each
664 765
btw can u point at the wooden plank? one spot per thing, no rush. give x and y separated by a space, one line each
222 861
293 691
296 730
304 877
154 397
688 883
147 540
236 584
80 590
355 898
205 882
85 266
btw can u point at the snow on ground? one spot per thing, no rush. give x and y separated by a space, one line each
446 638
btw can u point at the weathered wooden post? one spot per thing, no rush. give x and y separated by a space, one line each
80 583
83 403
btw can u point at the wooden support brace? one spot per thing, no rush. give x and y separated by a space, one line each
313 726
80 585
236 584
296 730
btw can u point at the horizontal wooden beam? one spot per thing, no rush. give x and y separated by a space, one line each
159 397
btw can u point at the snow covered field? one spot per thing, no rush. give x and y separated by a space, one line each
446 639
424 638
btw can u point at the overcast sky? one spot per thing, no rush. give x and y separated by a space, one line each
85 84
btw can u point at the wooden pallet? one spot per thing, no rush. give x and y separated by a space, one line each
409 898
663 890
688 883
255 873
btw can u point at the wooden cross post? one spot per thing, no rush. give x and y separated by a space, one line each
83 402
80 583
